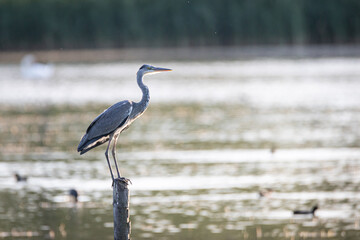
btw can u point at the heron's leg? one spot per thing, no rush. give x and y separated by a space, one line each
107 157
114 154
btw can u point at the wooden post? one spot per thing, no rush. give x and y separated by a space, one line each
121 206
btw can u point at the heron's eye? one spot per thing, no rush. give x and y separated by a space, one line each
149 68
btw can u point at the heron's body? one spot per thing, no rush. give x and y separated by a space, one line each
112 121
109 124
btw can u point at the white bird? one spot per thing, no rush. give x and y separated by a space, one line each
30 69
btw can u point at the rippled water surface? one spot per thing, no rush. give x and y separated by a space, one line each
216 134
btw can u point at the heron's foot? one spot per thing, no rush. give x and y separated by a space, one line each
125 180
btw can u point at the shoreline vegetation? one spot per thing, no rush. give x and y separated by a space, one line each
216 53
108 24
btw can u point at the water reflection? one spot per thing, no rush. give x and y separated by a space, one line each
197 166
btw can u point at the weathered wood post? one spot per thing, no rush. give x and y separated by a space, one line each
121 197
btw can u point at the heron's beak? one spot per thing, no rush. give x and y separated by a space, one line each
158 69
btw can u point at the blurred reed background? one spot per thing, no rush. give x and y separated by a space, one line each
38 24
259 118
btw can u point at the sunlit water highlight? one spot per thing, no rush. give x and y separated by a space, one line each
215 135
319 83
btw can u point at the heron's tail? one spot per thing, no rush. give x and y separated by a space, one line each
82 143
88 144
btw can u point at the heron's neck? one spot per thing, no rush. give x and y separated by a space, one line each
144 102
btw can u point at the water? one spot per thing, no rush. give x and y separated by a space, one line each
197 158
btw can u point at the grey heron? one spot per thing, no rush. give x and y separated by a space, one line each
118 117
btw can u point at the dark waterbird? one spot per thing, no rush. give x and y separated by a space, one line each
305 212
73 195
108 125
20 178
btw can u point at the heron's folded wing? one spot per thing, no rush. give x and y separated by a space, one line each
112 118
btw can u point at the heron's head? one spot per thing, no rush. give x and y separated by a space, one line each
148 69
